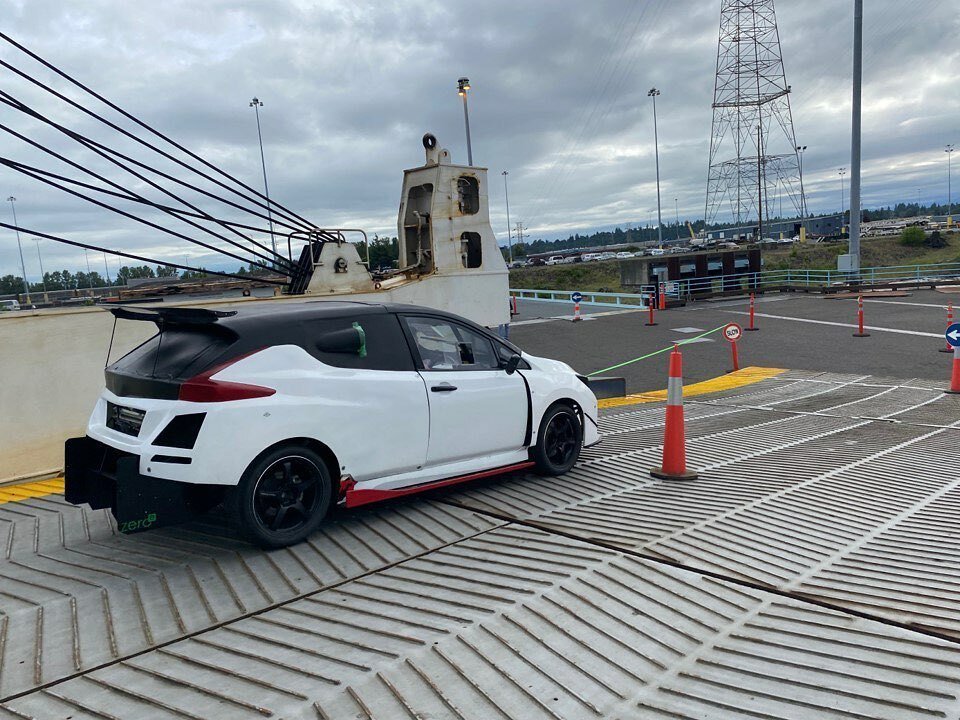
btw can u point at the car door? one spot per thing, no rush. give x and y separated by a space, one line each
476 408
373 399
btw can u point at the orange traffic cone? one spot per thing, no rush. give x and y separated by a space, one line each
955 375
674 443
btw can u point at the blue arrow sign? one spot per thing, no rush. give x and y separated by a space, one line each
953 335
577 297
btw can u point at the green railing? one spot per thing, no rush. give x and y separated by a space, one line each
763 280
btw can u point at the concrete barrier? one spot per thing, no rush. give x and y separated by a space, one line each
51 373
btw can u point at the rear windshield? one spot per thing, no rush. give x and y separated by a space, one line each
178 353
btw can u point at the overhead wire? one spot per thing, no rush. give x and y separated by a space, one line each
131 256
130 216
135 197
147 127
292 217
614 78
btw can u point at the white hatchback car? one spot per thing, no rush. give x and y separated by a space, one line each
281 411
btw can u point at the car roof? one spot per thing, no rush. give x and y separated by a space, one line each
254 316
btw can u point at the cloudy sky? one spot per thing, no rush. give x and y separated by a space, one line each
559 100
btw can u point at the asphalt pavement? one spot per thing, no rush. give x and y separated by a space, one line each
800 332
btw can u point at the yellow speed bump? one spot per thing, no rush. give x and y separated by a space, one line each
25 491
730 381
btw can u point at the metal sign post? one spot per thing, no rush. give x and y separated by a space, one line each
576 297
732 333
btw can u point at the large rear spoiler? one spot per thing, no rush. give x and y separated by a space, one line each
172 315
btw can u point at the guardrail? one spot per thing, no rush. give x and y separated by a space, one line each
606 299
757 281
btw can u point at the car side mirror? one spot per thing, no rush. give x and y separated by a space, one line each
512 364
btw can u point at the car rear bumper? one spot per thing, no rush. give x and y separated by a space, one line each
104 477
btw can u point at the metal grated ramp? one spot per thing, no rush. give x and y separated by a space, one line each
544 627
532 597
96 596
845 501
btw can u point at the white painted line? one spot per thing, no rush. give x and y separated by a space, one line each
900 302
686 330
534 321
839 324
585 316
692 341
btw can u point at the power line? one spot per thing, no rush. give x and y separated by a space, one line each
293 217
129 195
140 258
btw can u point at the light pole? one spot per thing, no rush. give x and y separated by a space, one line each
506 196
676 207
105 267
653 93
23 267
803 196
89 271
256 104
43 279
841 172
855 133
949 151
463 85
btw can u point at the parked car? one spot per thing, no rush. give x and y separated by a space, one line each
6 305
608 256
657 251
624 255
280 412
554 260
570 259
590 257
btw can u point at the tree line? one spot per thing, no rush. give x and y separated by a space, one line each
66 280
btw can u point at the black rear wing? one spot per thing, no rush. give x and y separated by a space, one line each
172 315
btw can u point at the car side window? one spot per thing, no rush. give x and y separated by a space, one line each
445 345
364 342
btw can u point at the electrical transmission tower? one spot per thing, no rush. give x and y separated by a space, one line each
753 150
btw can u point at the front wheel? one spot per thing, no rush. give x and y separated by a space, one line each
283 496
559 441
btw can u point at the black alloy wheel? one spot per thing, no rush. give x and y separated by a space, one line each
283 496
286 494
559 441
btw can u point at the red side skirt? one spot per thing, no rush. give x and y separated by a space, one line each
353 498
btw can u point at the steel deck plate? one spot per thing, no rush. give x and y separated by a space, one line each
75 594
828 486
601 594
519 623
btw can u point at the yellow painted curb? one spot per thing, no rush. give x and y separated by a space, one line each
730 381
25 491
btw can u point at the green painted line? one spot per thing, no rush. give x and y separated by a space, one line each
657 352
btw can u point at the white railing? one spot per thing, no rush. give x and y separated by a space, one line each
763 280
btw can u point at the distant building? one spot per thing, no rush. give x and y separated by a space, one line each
824 225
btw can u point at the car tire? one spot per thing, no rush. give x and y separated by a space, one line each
283 496
558 441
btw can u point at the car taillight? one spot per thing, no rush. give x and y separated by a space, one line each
202 388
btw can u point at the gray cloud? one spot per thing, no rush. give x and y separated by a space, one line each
558 99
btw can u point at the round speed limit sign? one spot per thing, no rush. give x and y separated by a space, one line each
732 332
